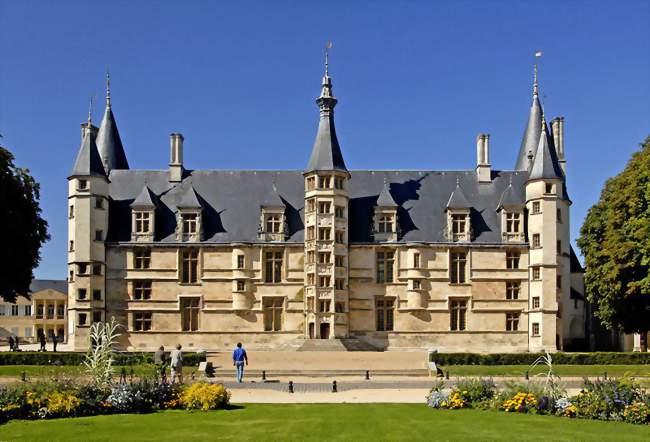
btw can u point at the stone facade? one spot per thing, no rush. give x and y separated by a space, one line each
475 261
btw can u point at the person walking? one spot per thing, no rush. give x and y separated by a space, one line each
176 364
41 340
54 342
159 360
11 343
239 357
16 347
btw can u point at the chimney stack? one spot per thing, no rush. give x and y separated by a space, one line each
176 158
557 127
483 168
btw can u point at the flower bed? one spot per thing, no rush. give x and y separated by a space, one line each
46 400
607 399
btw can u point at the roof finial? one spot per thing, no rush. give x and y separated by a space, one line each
535 84
457 181
108 89
90 110
328 46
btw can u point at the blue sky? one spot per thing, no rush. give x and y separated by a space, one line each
417 81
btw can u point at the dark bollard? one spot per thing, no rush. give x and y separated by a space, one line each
192 376
23 376
605 375
334 387
263 375
367 375
526 375
447 375
290 386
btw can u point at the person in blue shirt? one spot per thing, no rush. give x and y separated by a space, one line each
238 359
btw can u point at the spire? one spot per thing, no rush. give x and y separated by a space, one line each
545 164
109 143
88 162
385 198
533 128
326 153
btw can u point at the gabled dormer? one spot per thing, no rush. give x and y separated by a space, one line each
385 226
458 222
143 216
189 217
511 210
273 223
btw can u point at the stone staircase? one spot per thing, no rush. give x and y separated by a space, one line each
345 344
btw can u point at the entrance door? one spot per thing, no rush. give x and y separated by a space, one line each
311 330
324 330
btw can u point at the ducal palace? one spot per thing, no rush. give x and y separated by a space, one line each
477 260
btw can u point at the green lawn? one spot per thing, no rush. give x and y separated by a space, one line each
560 370
354 422
51 370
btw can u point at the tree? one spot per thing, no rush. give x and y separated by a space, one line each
615 241
21 226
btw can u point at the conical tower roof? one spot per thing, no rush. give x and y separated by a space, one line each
545 165
109 142
533 129
88 162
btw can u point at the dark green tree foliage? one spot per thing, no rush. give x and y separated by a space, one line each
615 241
22 228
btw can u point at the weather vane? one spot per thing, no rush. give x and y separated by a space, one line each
328 46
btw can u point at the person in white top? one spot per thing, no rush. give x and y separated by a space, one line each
176 364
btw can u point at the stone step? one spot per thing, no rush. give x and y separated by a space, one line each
345 344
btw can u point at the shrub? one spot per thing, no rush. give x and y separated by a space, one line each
204 396
598 358
136 397
637 413
606 399
457 400
476 390
437 399
70 358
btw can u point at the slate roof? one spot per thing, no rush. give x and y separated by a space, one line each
109 143
457 199
88 162
385 198
510 198
144 199
532 132
231 202
272 198
575 265
60 285
545 164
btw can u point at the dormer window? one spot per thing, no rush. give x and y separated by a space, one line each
512 225
273 224
458 225
385 224
142 218
385 227
142 222
190 223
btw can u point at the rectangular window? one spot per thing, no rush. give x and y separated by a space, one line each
141 290
458 223
82 318
416 284
339 307
190 223
324 305
71 276
142 222
537 243
512 321
324 182
324 233
324 207
83 184
338 182
549 188
273 266
537 274
99 203
384 308
535 302
416 260
512 290
28 310
311 205
537 208
559 215
324 257
385 224
97 269
512 260
385 262
458 264
141 258
71 211
458 310
339 284
189 313
339 212
99 235
240 261
71 246
558 244
273 223
97 316
241 285
190 269
311 232
82 269
142 321
324 281
39 311
60 311
311 183
339 261
14 310
535 329
311 257
339 237
513 222
50 311
97 295
273 312
310 279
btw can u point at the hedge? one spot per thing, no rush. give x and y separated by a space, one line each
70 358
597 358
